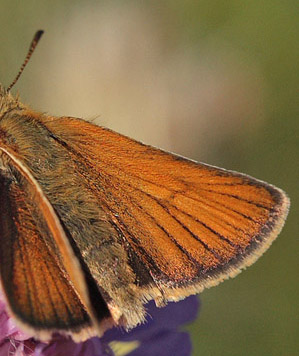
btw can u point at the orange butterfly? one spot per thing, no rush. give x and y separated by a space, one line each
94 224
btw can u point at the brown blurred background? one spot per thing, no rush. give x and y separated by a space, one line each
214 81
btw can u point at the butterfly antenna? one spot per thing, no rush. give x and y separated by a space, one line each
32 47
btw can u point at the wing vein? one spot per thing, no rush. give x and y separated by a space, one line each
187 184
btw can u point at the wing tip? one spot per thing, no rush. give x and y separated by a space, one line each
260 244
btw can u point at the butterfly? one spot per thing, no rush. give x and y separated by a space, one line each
94 224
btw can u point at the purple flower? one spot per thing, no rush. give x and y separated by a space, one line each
159 336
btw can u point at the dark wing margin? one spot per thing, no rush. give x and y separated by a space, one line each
199 234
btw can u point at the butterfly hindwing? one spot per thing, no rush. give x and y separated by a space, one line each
38 289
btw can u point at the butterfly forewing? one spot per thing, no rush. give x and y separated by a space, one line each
191 225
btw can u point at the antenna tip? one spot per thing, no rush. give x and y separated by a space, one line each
38 34
33 44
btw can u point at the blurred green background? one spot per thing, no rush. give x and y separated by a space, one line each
216 81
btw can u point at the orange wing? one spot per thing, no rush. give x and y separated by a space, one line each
186 224
34 261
